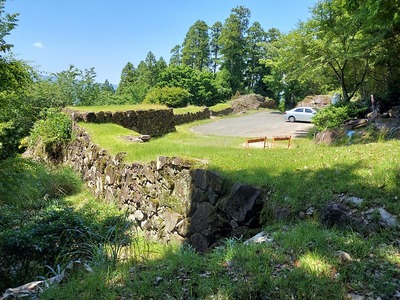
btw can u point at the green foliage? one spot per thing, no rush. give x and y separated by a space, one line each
136 82
55 128
331 117
24 182
233 45
195 48
169 96
39 227
205 89
7 23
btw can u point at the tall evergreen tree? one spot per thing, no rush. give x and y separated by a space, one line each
176 56
128 78
195 48
233 45
214 46
255 71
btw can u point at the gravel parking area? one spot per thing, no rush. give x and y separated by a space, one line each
260 124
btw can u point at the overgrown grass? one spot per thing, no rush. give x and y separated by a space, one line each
300 262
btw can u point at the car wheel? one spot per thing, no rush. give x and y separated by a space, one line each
292 119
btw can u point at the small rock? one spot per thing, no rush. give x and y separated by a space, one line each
354 200
353 296
157 280
387 218
310 211
344 256
259 238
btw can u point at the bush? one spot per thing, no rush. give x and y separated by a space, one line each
170 96
52 132
330 117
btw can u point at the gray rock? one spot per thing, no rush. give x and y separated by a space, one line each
259 238
353 200
337 214
387 218
244 202
207 222
200 243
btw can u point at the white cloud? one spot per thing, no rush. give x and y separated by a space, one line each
38 45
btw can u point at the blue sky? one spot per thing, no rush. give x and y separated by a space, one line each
53 34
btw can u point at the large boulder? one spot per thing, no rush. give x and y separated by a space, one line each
316 101
251 102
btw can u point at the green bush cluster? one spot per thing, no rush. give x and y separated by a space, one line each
330 117
169 96
54 129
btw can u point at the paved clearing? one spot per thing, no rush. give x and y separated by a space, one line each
260 124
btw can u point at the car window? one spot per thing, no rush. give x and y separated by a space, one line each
308 111
299 110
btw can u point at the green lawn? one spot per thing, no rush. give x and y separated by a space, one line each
307 174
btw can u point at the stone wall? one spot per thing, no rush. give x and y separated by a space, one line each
223 112
192 116
167 198
146 122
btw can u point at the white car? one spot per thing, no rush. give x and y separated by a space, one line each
302 114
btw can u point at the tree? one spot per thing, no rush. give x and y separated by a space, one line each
202 86
381 24
336 40
255 71
170 96
290 78
88 90
176 56
214 46
17 113
128 77
233 45
7 23
195 48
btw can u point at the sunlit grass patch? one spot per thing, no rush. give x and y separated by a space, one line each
113 108
220 106
315 264
188 109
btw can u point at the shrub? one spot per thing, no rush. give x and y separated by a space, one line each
53 132
330 117
170 96
55 127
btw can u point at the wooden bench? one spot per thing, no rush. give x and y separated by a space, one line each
256 140
282 138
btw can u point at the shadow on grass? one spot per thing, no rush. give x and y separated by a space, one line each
300 262
40 228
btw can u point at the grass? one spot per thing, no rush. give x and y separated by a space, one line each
188 109
118 107
303 176
113 108
299 263
220 106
